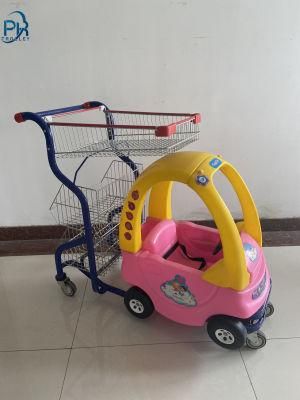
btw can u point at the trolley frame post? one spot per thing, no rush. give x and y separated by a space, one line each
97 284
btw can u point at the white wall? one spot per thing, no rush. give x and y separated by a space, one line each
237 62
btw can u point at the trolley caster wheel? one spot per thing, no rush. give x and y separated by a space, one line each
68 287
226 332
138 303
256 340
269 309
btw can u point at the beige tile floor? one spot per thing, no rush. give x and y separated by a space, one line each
88 347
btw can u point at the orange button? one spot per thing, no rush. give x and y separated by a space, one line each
129 215
135 195
131 206
128 226
127 236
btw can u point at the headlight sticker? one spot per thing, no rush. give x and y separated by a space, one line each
260 288
250 251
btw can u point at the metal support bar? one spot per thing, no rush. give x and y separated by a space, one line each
97 284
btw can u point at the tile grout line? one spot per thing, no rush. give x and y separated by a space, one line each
166 343
70 350
130 345
81 305
30 350
141 344
65 374
106 346
283 338
251 383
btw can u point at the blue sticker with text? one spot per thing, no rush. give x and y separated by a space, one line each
215 162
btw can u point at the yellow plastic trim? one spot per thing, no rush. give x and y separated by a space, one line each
177 167
184 167
158 208
251 223
231 271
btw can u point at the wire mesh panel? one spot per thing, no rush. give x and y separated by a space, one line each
144 118
91 129
127 133
105 205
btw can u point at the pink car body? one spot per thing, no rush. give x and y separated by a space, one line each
172 278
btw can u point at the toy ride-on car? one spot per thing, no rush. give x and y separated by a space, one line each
194 274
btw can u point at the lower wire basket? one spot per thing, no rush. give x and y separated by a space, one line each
105 205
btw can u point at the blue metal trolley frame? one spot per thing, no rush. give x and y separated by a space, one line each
147 134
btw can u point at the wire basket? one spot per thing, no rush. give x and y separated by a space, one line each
105 205
126 132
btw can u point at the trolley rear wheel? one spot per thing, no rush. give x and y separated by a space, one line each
257 340
269 309
68 287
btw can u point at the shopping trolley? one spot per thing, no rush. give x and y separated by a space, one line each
91 215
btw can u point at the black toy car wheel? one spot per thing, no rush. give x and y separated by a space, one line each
227 332
138 303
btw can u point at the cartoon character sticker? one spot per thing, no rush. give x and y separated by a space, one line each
250 251
177 290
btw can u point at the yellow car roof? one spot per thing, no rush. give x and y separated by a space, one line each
195 169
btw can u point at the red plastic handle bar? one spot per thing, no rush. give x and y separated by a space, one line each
169 130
